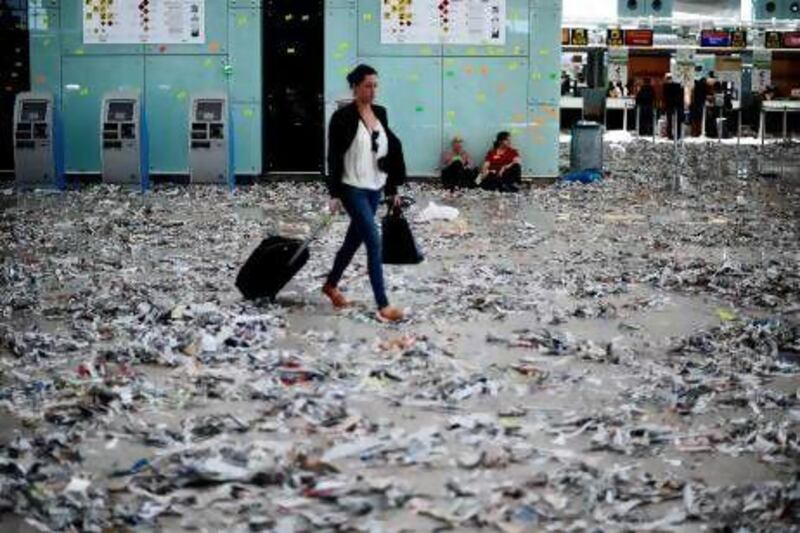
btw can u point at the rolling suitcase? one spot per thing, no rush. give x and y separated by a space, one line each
274 263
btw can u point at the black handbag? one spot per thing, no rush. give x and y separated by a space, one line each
399 246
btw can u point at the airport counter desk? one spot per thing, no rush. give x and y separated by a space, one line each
777 106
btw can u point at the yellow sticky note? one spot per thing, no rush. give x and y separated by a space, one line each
480 97
367 17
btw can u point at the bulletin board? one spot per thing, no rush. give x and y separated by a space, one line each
475 22
150 21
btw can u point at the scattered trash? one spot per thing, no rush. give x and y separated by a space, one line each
622 356
435 211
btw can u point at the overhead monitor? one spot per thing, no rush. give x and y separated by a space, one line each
791 39
639 37
715 39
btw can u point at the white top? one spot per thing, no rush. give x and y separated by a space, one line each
361 163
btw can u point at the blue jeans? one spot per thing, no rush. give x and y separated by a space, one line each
361 205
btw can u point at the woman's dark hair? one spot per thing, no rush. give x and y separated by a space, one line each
358 74
502 136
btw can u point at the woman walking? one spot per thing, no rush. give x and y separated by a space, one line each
362 164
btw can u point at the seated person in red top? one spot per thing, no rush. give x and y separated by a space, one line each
457 167
502 168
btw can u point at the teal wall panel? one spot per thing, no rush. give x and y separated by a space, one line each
45 52
369 35
247 138
85 81
410 89
517 31
340 4
425 87
216 34
539 141
245 3
482 96
544 83
340 51
244 29
170 82
72 34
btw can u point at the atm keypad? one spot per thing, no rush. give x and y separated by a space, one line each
217 131
40 130
129 131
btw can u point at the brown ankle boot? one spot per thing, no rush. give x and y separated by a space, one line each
335 295
390 313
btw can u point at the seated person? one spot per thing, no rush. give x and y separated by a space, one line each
502 169
457 167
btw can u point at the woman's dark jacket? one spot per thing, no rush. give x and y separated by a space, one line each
342 131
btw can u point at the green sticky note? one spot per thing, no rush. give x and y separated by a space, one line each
536 76
450 73
344 45
419 109
79 51
367 17
513 65
451 115
84 91
242 20
471 51
208 63
426 51
725 314
554 75
544 52
248 112
182 96
480 97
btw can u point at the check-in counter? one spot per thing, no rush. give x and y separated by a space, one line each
778 106
624 105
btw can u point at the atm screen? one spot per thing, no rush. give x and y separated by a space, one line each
33 112
209 111
120 112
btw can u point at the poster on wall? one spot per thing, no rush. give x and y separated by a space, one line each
684 67
146 21
475 22
762 71
618 66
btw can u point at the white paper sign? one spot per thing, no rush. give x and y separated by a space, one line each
137 22
475 22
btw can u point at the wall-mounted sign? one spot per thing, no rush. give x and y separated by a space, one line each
739 39
715 39
615 37
477 22
152 21
639 37
580 37
773 39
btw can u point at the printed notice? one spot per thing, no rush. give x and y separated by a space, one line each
144 21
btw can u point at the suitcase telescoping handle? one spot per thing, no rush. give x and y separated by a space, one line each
324 222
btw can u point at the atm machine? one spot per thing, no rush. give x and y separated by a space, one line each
124 143
210 139
38 147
